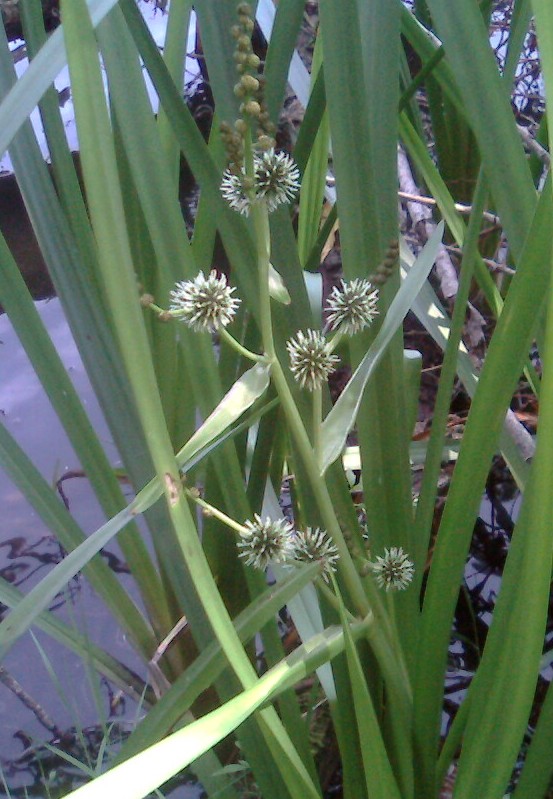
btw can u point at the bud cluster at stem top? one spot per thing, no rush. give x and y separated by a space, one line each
249 89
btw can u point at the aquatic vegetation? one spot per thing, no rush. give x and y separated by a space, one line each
210 428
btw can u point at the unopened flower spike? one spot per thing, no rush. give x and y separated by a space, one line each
263 542
276 180
205 303
393 571
352 307
311 359
314 544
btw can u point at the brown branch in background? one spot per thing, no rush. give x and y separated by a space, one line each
424 225
17 689
534 146
462 209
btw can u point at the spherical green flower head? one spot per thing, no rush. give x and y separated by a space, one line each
311 359
315 545
276 180
394 571
353 307
266 541
204 304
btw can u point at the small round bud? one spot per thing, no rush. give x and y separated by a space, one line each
241 58
249 83
313 544
239 90
241 127
247 24
265 142
252 108
244 8
253 61
224 127
244 43
146 300
236 31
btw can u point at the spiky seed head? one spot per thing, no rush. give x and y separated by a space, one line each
311 359
276 180
314 544
204 304
266 541
393 571
234 191
352 307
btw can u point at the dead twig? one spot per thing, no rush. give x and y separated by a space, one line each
424 225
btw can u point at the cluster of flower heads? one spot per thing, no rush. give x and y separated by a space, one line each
350 309
205 304
393 571
271 176
266 541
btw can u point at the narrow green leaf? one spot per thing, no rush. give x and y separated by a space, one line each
27 92
209 665
277 288
146 771
537 771
487 106
107 665
499 375
241 396
379 777
39 598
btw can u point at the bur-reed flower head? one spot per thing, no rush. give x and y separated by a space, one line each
393 571
205 303
352 307
266 541
315 544
311 359
276 180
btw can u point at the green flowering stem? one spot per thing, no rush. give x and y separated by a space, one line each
260 218
240 349
336 339
382 634
391 607
211 510
317 422
176 313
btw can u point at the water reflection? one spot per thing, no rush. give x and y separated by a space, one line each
46 692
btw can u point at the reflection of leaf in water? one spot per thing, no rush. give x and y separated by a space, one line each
23 561
46 769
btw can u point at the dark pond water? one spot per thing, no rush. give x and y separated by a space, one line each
47 693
